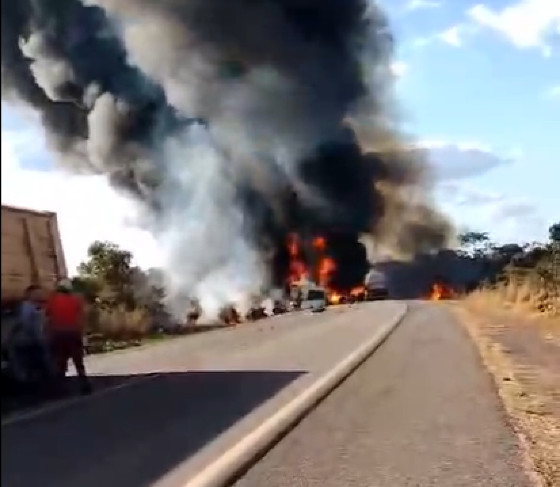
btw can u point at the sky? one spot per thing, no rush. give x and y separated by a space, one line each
477 84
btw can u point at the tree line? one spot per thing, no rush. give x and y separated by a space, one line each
125 299
540 257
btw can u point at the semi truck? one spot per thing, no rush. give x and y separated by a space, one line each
376 285
31 252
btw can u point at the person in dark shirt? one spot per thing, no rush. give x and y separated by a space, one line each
32 359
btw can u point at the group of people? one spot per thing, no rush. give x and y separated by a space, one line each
48 333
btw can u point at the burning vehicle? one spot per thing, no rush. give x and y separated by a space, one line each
440 291
229 315
325 275
279 307
256 310
256 313
253 165
309 296
279 301
194 311
376 285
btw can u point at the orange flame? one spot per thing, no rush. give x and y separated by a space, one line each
319 243
327 266
297 270
358 291
323 272
440 291
335 298
293 245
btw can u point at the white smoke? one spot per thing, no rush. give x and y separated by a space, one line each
202 235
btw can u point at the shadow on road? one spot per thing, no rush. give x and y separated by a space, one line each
133 436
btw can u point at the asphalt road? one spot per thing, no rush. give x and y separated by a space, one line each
179 404
420 412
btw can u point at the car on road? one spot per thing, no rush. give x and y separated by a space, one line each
314 299
376 285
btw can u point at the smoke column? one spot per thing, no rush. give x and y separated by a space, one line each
231 123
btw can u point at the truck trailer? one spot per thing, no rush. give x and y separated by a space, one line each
31 252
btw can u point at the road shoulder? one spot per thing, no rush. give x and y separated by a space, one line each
523 357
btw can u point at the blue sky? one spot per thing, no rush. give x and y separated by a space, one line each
487 75
478 86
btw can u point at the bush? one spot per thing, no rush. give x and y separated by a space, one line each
122 299
525 289
120 323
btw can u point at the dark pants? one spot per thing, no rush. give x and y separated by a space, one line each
32 362
67 345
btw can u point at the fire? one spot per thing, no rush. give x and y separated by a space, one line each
335 298
297 270
326 267
358 291
319 243
436 293
293 245
440 291
323 272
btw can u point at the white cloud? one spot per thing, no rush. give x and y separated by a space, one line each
553 92
451 36
422 4
399 68
507 219
527 23
454 36
87 208
461 160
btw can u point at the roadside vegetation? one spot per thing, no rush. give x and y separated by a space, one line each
521 278
125 303
513 317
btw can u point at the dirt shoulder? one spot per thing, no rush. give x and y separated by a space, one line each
523 355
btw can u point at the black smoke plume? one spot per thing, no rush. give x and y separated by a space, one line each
232 123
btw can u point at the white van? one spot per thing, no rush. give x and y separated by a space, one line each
314 299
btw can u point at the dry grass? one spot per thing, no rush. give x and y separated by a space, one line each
525 296
119 323
520 346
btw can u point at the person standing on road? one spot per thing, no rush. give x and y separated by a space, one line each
30 347
66 315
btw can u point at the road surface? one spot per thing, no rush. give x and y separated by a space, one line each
420 412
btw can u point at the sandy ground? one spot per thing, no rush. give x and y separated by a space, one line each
523 355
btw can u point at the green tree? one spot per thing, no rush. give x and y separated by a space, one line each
554 233
108 270
474 243
87 286
109 276
108 263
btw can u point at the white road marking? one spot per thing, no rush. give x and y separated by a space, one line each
225 468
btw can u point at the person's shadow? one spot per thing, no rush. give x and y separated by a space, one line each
132 436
